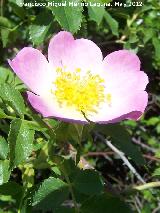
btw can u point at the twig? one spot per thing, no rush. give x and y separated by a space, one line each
106 42
104 154
98 154
120 184
136 203
129 23
156 209
138 142
151 158
122 156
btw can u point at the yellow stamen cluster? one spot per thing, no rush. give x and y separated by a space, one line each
84 92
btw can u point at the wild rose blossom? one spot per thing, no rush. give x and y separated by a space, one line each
76 84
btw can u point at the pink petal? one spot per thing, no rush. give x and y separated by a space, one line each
123 107
122 60
81 53
49 108
60 49
121 71
40 105
32 68
122 82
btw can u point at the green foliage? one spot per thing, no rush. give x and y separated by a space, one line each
96 13
88 182
20 142
104 203
3 148
2 114
4 171
69 18
121 138
157 172
5 26
51 165
156 44
6 75
40 28
113 24
9 189
50 194
12 97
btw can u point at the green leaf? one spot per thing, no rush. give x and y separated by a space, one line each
4 171
152 121
5 36
5 26
96 13
113 24
3 148
9 189
148 34
50 194
17 8
2 114
40 28
4 22
104 203
6 75
88 182
17 2
62 127
12 190
156 44
35 126
72 132
122 139
75 132
20 142
156 172
69 17
12 96
66 166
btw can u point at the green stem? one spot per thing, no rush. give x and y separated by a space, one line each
17 26
42 123
72 192
38 120
21 202
12 118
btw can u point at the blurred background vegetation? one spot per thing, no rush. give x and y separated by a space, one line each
113 27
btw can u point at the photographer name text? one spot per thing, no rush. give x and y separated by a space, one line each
81 4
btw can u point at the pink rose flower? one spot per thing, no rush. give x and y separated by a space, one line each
76 83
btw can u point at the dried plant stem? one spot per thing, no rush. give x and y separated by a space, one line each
108 153
147 186
144 146
122 156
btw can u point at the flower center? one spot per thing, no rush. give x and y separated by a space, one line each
84 92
